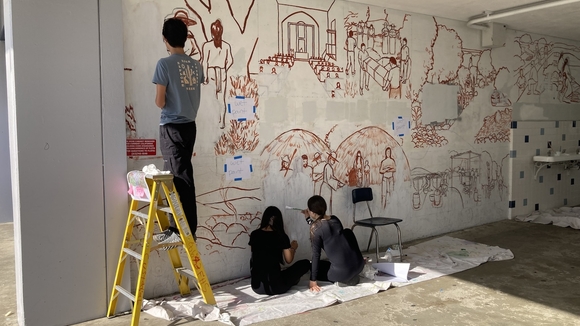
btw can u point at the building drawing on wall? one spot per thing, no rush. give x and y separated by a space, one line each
470 178
548 66
306 41
465 173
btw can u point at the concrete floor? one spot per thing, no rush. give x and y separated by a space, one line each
540 286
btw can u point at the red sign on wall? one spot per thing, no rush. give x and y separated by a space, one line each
141 147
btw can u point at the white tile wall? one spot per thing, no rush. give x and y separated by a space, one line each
528 194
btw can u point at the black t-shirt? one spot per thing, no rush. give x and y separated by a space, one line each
267 251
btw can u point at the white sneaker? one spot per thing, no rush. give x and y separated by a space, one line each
167 239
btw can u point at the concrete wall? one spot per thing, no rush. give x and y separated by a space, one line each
64 75
451 175
5 184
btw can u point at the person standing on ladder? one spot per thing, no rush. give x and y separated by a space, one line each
178 80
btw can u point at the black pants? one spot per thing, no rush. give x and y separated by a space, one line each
288 278
176 142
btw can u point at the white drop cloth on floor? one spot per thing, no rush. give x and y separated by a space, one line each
563 216
237 304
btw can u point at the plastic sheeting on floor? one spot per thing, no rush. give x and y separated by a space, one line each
563 216
237 304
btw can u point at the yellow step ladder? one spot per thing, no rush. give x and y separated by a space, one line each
153 189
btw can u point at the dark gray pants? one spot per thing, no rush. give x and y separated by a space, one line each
176 142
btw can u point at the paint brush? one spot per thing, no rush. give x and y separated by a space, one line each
294 208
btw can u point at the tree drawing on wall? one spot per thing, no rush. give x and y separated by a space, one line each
242 135
495 128
452 64
544 63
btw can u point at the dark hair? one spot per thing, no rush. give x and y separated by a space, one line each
175 32
317 204
272 217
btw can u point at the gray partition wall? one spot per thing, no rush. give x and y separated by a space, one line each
64 66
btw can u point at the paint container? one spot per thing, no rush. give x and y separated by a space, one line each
388 256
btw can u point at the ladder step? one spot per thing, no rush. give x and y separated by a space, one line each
139 214
166 209
190 275
133 253
126 293
186 272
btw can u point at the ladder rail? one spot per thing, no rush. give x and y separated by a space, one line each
161 186
122 260
192 253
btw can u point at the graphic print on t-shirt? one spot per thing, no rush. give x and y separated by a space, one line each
187 75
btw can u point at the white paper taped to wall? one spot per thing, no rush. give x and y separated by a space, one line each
238 168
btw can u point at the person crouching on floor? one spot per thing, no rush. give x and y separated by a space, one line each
345 260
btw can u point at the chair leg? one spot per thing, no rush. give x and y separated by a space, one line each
376 243
400 243
370 239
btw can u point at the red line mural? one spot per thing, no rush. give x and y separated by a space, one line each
547 63
496 127
471 177
216 57
470 69
382 56
370 156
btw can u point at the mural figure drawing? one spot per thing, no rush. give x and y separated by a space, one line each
547 66
217 59
387 169
383 57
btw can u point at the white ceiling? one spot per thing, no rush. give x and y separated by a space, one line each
561 21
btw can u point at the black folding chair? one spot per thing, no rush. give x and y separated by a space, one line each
366 195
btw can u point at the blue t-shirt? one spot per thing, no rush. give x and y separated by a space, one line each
182 76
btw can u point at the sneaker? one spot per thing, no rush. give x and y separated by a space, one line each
166 238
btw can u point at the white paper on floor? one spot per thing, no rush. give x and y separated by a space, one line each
237 304
563 216
447 255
